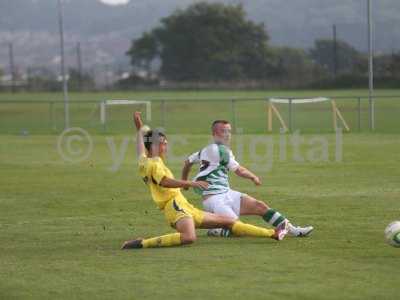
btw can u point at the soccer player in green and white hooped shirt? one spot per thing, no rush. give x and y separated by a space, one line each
216 160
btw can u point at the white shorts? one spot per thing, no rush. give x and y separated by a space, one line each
226 204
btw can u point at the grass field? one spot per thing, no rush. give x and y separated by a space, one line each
61 224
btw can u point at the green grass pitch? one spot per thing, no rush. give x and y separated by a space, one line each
61 224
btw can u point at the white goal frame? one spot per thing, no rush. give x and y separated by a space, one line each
272 109
105 103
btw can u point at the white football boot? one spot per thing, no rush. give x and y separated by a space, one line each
298 231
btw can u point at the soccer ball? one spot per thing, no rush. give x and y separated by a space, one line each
392 233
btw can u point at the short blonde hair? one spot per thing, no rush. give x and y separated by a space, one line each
216 122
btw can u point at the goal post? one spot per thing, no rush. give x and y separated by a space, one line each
113 102
272 110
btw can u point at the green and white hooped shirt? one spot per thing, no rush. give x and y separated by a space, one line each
215 161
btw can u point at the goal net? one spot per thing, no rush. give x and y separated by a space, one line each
314 111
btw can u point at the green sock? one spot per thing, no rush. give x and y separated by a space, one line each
273 217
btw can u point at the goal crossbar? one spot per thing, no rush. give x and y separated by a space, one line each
298 101
105 103
273 110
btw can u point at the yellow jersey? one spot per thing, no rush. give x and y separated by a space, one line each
152 170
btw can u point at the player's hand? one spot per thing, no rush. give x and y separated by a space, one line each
138 120
256 180
199 184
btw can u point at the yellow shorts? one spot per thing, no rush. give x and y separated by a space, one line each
179 208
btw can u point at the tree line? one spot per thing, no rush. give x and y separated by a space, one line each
216 43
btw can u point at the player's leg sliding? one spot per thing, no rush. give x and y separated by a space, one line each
238 228
242 204
252 206
168 240
186 234
275 218
243 229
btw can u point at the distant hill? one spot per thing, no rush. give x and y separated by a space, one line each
105 32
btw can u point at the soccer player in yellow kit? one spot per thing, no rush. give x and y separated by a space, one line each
179 213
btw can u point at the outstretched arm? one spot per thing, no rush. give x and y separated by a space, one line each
175 183
140 149
245 173
186 169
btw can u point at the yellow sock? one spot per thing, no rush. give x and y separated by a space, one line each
167 240
242 229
